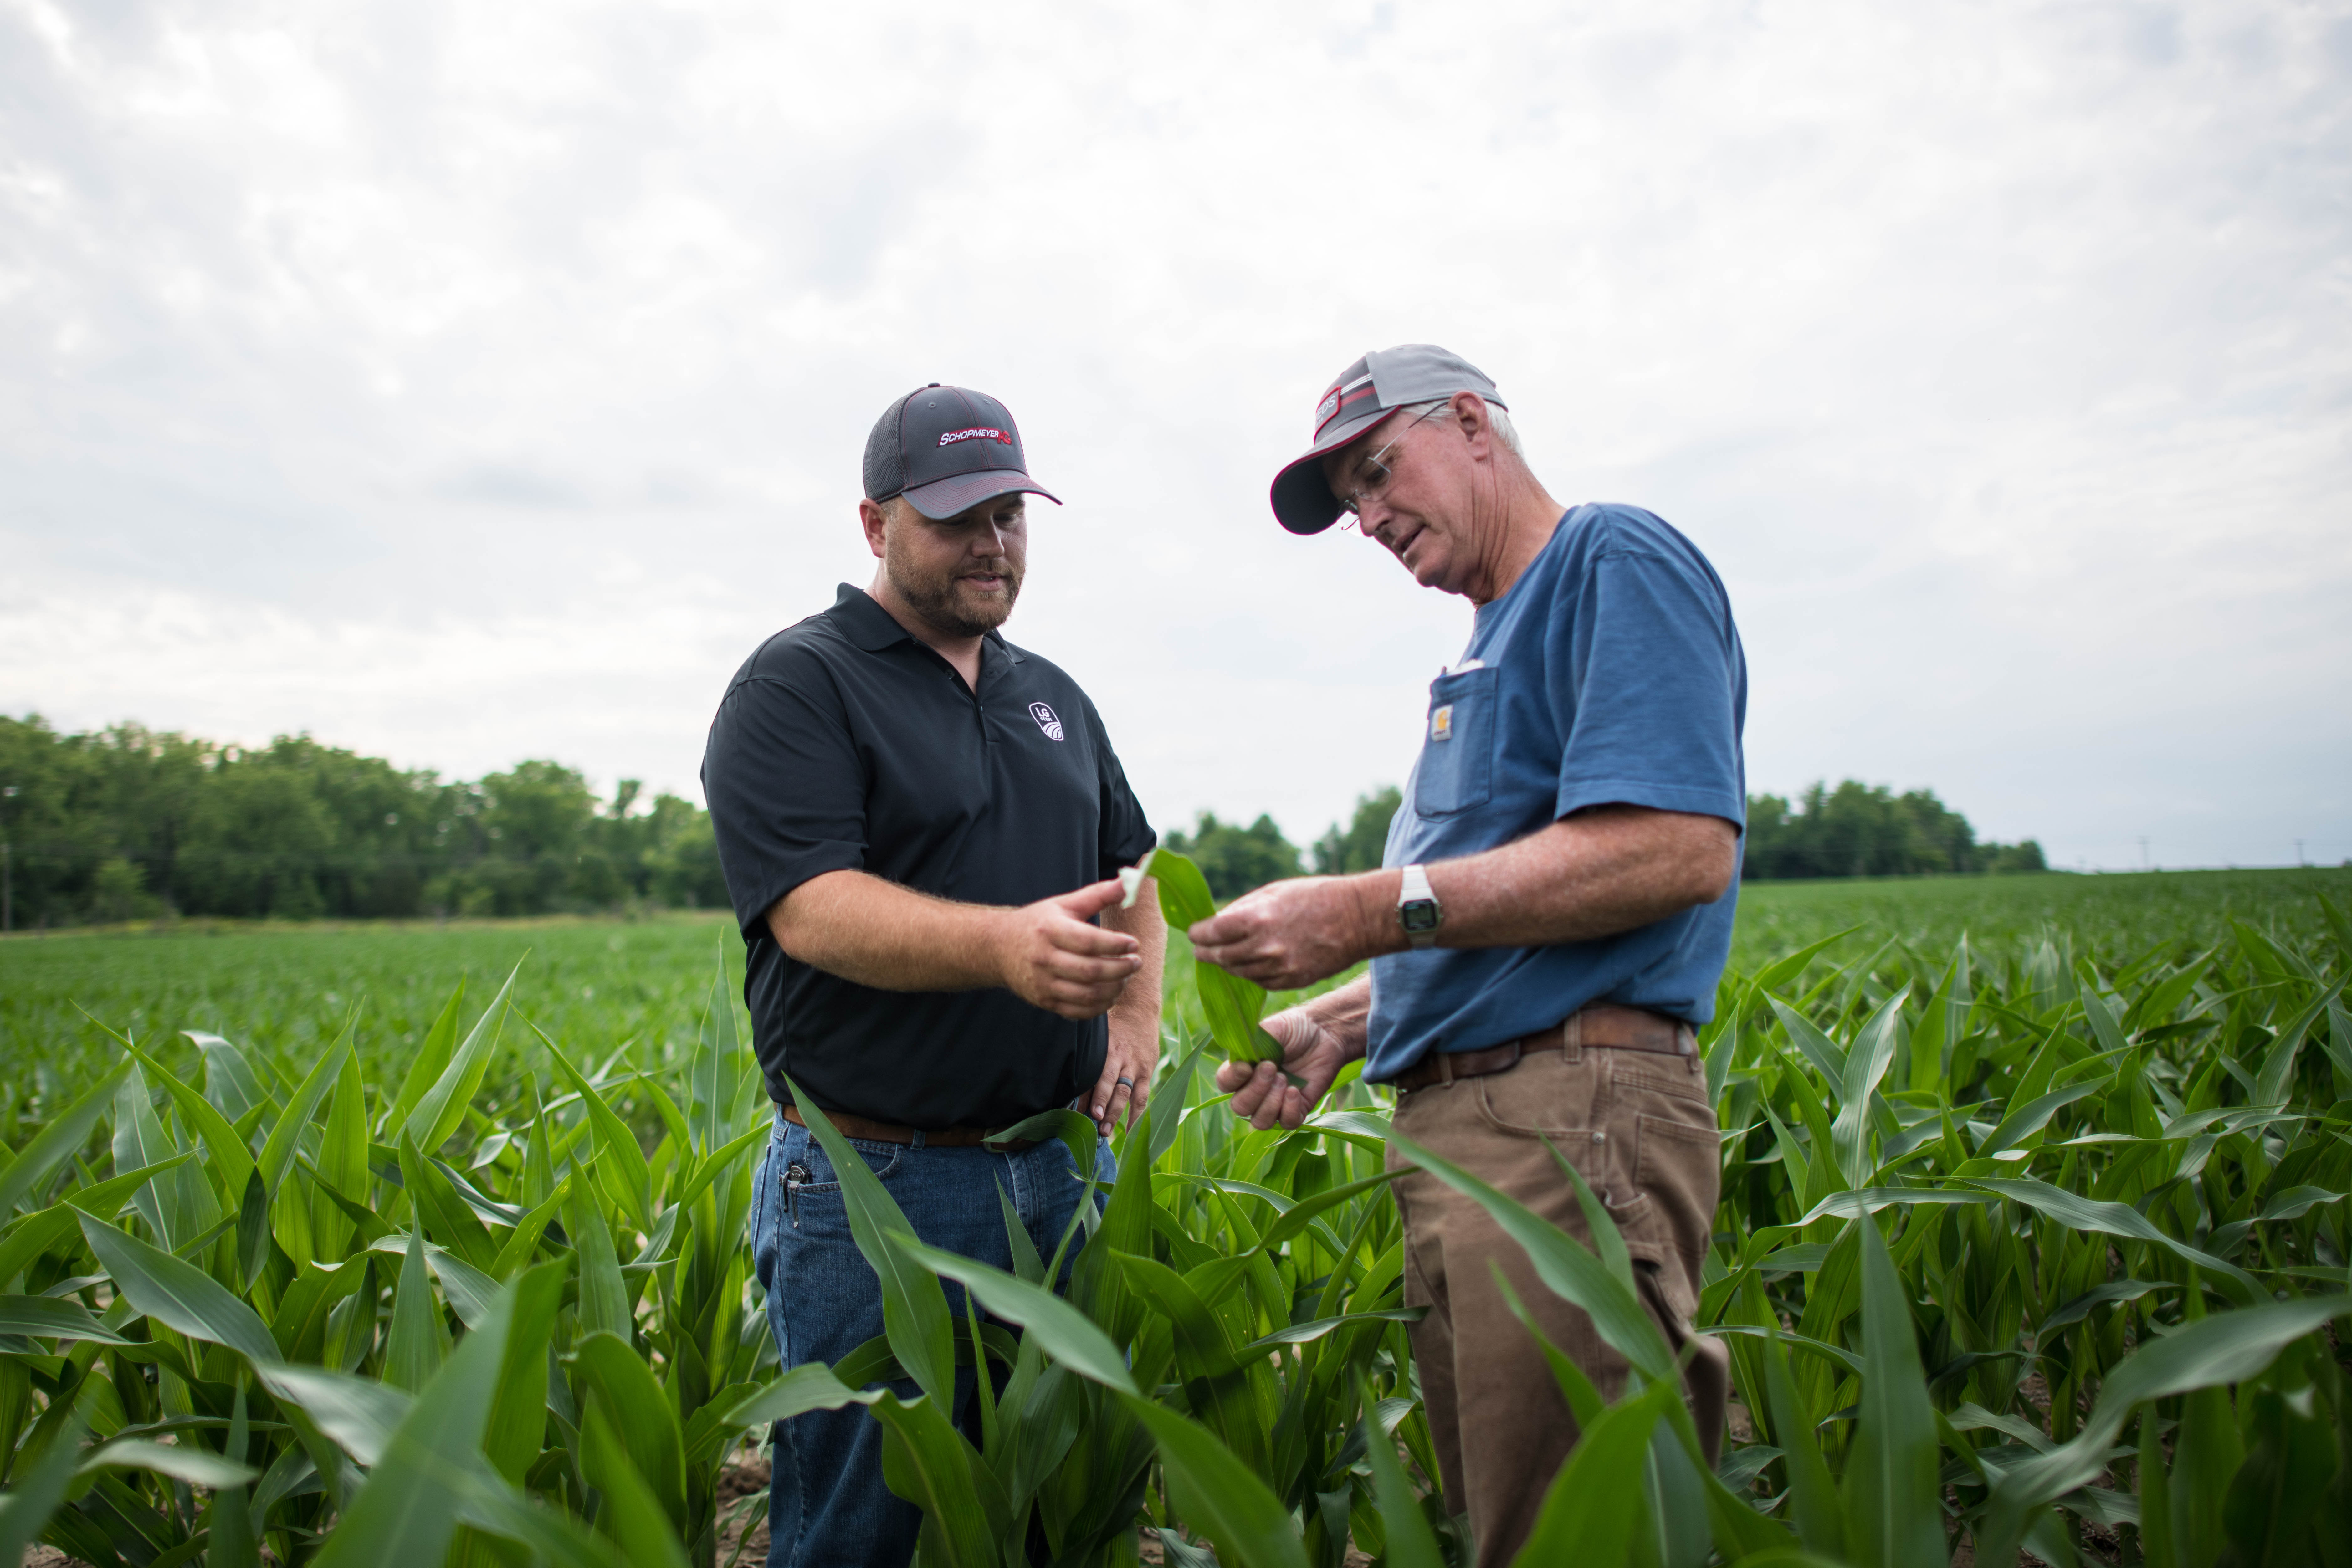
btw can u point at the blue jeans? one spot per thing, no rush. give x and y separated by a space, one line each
828 1504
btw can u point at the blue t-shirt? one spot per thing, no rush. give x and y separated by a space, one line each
1610 672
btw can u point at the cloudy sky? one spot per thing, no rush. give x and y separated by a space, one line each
471 382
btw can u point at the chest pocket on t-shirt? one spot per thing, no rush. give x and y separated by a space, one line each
1457 748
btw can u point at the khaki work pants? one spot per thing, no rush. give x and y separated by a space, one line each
1640 1130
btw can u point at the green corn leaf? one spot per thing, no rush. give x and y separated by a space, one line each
419 1342
645 1420
232 1161
2078 1213
39 1491
1296 1217
1892 1512
438 1205
716 1047
1563 1263
2278 1067
2210 1353
1772 977
197 1466
926 1461
1817 1048
1026 1264
1060 1330
1410 1543
1217 1496
230 1082
1231 1003
1814 1500
519 1412
358 1413
603 1294
1865 1068
407 1513
1597 1503
37 1233
431 1058
1314 1329
278 1149
234 1541
1584 1401
634 1513
178 1294
809 1387
55 1143
615 1141
914 1307
54 1318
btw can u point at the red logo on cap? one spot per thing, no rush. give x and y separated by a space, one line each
977 433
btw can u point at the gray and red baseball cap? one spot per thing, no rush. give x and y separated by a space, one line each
947 448
1376 386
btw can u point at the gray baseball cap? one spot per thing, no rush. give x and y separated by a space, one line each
947 448
1377 385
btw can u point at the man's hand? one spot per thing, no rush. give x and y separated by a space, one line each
1119 1095
1310 1052
1050 956
1292 933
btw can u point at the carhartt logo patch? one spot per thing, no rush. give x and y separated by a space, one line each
1047 721
1440 724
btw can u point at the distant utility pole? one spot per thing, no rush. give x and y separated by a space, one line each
2298 854
2143 864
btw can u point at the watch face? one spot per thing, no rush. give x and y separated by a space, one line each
1418 915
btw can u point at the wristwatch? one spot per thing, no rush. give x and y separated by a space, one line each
1418 910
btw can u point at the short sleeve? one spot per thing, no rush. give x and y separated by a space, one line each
1646 672
786 791
1124 833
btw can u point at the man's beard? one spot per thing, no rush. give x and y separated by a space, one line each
936 598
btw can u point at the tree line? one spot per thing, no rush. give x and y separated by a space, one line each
126 823
1852 831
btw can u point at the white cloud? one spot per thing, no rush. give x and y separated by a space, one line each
469 383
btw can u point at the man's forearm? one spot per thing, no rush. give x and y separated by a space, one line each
877 933
1602 871
1346 1014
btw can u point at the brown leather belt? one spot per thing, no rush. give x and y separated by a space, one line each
1607 1028
873 1131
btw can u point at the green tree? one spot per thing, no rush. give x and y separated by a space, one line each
1358 848
1234 859
1863 830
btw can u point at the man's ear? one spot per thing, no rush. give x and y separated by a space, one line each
1469 416
875 520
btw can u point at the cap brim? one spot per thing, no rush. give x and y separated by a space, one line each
1303 502
943 499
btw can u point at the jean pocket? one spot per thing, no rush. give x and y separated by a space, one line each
1677 1165
1456 771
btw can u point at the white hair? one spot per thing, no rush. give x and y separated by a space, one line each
1498 417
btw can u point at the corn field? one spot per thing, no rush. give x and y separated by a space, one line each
2021 1249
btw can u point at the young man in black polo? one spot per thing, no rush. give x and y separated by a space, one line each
921 826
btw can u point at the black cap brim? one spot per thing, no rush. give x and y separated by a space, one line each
1303 502
943 499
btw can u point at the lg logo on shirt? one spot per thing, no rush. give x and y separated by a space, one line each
1047 720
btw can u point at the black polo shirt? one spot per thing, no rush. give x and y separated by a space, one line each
845 744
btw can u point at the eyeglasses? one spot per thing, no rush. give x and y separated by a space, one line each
1376 473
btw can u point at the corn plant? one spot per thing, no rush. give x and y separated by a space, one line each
2024 1246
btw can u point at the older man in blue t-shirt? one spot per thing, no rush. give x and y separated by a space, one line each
1551 917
